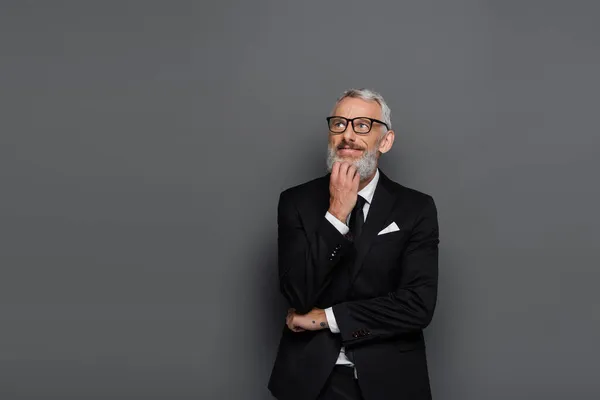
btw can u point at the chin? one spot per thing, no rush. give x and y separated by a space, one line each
349 158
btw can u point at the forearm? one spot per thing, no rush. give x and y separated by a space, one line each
402 312
409 308
306 260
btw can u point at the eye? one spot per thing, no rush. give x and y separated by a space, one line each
338 123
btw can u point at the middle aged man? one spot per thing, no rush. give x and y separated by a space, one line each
358 264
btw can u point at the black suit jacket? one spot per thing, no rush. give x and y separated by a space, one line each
382 288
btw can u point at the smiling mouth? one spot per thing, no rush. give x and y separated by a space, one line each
349 152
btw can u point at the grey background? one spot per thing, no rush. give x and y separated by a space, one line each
144 145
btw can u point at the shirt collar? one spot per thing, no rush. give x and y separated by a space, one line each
368 191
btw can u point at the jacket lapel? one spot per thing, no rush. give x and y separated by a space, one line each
379 210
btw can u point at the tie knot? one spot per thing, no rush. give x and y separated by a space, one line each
357 217
360 202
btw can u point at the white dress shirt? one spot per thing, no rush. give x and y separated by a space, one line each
367 193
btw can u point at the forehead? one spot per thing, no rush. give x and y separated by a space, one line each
351 107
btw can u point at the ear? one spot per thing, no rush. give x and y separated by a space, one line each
387 141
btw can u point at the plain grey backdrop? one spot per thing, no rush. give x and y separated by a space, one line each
143 146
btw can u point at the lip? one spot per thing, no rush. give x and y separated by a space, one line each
349 152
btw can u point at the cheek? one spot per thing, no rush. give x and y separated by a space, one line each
371 145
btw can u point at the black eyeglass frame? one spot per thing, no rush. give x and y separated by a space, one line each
350 121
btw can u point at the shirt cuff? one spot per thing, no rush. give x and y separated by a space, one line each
333 326
339 225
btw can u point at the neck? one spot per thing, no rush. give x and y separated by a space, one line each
366 181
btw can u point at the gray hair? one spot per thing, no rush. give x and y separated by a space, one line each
370 95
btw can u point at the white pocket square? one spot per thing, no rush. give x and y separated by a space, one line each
390 228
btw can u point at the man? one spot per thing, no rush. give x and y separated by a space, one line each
358 264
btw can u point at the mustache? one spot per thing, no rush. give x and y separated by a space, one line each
348 145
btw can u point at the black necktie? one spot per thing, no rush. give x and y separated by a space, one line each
357 220
357 217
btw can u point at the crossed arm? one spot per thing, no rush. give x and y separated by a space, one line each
306 261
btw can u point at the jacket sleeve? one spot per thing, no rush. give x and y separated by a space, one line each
410 307
305 259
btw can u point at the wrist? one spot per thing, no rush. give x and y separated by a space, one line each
341 216
323 323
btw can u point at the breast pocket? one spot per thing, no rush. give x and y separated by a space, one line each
390 237
382 264
389 246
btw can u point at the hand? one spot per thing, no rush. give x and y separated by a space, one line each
343 189
313 321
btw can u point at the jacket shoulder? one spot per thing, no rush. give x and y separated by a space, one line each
306 190
405 191
408 194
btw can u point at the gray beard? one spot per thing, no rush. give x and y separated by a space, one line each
365 165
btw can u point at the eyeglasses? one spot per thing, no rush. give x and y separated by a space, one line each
361 125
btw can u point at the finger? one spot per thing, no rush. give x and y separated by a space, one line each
335 170
352 172
297 327
343 170
292 323
356 180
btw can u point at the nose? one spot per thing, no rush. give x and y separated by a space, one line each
349 134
